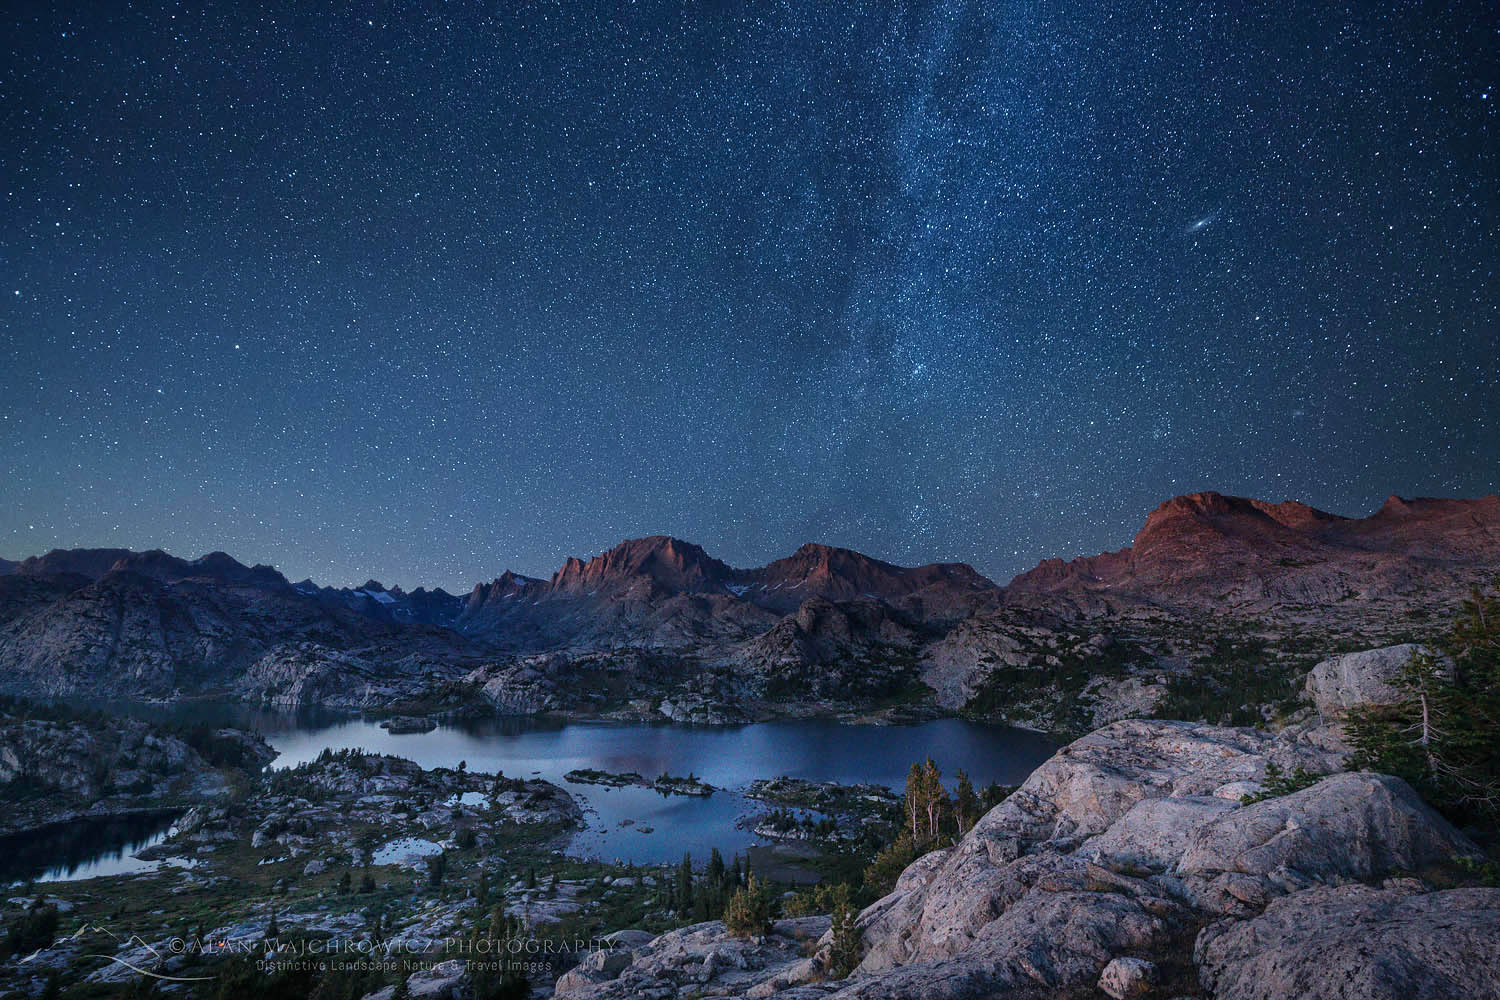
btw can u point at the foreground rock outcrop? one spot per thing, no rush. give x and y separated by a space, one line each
1368 677
700 960
1128 863
1358 941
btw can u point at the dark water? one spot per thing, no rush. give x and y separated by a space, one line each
728 757
82 849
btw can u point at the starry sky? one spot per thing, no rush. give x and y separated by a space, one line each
424 291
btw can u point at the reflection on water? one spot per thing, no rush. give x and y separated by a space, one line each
639 824
643 826
85 848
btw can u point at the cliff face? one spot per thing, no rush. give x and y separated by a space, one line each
1206 551
821 619
155 625
664 592
937 591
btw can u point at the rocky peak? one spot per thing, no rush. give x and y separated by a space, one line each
91 563
216 567
813 560
843 574
506 586
1429 528
1209 547
1202 525
670 563
1395 506
1296 515
1483 510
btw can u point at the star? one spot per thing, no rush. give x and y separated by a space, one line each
505 284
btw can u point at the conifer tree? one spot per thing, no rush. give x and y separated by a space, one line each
965 803
934 799
844 952
685 885
913 800
1443 736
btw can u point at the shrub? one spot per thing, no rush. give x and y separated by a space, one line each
881 875
1278 784
844 953
34 929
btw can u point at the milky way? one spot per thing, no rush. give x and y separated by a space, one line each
422 292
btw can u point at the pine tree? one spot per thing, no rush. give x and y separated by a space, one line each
685 885
489 974
844 952
913 802
933 796
965 803
750 910
1444 735
437 867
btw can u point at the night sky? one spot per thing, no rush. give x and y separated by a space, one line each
425 294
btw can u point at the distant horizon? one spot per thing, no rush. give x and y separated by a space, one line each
481 579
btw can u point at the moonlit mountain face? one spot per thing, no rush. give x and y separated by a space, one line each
422 291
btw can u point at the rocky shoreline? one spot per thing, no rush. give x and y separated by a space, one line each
666 784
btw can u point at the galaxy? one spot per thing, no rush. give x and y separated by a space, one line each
426 291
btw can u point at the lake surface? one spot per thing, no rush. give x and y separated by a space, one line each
728 757
619 818
85 848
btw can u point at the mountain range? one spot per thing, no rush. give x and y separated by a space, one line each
823 622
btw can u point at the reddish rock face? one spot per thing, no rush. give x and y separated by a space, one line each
664 591
844 575
1209 550
668 563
